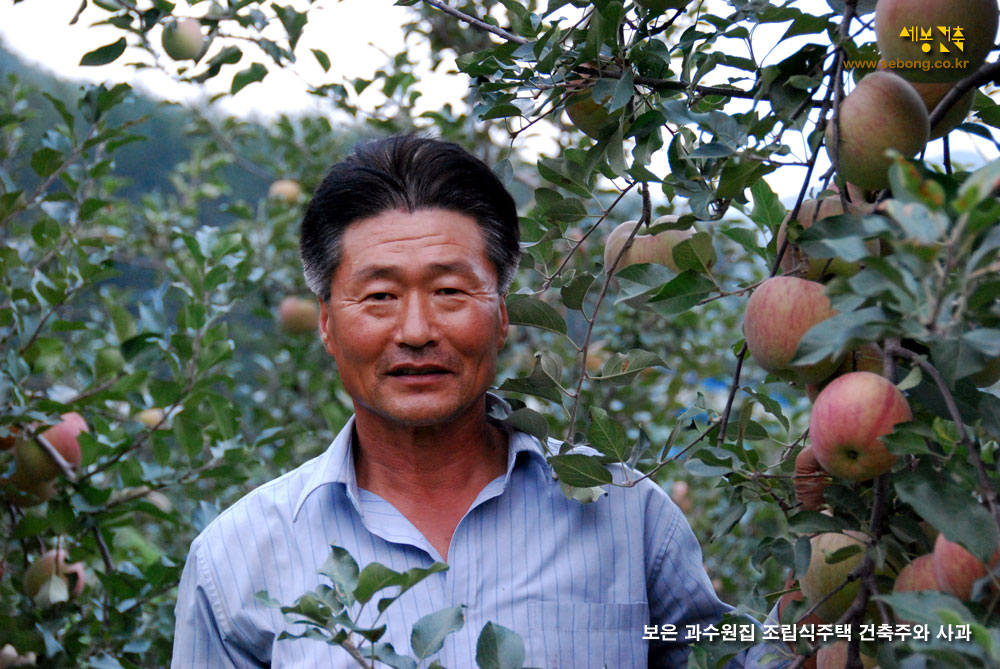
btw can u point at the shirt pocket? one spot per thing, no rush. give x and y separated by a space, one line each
584 635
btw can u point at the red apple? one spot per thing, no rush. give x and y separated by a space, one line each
810 480
822 577
916 576
298 315
795 261
779 312
658 248
34 463
882 112
847 420
956 569
935 59
51 565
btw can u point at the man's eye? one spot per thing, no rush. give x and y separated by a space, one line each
378 297
449 291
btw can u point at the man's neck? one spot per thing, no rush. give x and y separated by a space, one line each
431 474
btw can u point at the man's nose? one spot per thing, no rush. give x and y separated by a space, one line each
416 326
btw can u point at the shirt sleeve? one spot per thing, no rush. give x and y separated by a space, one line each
199 640
681 594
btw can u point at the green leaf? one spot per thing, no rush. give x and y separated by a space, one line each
342 569
373 578
984 340
695 253
980 185
499 648
243 78
608 435
807 522
293 21
537 383
105 54
922 606
324 62
767 212
574 292
532 422
46 161
526 310
386 654
683 292
430 631
950 508
622 368
580 471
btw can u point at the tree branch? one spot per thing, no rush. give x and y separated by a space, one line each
473 21
984 75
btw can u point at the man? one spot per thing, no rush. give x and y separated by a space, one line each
410 245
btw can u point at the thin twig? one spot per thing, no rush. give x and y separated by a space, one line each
473 21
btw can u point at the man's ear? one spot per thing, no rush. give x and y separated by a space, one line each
324 325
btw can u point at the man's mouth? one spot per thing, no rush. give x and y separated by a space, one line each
417 371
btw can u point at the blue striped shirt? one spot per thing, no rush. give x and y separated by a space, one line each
577 581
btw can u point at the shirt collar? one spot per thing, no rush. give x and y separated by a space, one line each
336 464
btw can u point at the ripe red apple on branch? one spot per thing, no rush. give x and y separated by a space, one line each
848 419
866 358
811 480
882 112
917 576
956 569
780 311
50 565
34 462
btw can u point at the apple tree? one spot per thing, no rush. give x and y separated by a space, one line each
796 334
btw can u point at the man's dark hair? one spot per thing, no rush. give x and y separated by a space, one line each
409 173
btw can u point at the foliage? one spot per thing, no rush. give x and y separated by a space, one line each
694 117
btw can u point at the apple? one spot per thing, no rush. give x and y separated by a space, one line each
36 464
932 94
795 261
182 39
977 20
152 417
51 565
956 569
298 315
915 577
810 480
779 312
287 190
834 656
822 577
658 248
847 420
882 112
108 362
661 5
28 491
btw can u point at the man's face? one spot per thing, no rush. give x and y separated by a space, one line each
414 319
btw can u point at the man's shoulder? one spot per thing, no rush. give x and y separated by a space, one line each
272 502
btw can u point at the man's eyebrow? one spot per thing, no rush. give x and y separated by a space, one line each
391 272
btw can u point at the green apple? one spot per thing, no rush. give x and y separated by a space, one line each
822 577
182 39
